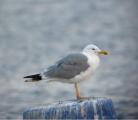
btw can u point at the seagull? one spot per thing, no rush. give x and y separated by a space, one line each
73 68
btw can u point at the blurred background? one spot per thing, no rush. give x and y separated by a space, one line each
36 33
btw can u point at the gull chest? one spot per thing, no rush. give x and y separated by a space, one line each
93 62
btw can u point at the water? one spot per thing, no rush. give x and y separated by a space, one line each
34 34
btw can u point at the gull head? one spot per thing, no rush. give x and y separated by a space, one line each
93 49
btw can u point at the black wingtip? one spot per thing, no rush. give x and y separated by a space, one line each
35 77
27 77
32 76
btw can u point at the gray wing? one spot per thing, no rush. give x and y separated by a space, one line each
68 67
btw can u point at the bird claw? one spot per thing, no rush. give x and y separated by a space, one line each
82 98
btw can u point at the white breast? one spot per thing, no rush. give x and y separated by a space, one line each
93 61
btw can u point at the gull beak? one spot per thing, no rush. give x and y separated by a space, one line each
103 52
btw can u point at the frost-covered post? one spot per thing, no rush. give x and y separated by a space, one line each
94 108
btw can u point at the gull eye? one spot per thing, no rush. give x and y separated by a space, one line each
93 48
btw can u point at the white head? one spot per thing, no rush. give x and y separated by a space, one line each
93 49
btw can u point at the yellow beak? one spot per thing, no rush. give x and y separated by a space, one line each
103 52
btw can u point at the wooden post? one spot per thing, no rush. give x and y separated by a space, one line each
94 108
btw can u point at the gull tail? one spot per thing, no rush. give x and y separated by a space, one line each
33 78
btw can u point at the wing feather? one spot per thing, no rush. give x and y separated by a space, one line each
68 67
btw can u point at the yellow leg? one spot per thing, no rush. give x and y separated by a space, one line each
77 91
